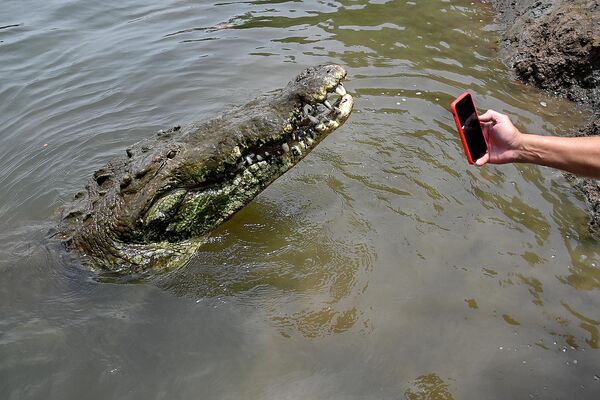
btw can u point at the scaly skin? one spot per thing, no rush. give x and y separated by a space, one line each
151 208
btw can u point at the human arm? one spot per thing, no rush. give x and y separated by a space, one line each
578 155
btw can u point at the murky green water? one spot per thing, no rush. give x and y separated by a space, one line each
381 267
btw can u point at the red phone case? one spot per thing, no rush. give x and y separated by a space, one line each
459 126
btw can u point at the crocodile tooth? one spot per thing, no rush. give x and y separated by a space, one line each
313 119
285 147
310 141
302 144
327 104
340 90
259 158
298 150
248 160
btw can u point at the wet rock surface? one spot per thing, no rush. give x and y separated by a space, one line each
555 45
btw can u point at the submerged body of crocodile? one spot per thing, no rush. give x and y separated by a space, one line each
151 207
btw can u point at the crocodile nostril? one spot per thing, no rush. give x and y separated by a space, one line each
101 176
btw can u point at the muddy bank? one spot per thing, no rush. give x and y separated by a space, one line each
555 45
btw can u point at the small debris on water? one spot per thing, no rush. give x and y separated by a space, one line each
543 103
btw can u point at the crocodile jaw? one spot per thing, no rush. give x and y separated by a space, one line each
250 164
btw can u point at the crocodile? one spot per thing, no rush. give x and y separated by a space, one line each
151 208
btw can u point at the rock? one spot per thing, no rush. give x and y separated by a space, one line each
554 45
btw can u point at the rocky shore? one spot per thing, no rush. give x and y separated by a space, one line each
555 45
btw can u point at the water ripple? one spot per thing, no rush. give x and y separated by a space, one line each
383 240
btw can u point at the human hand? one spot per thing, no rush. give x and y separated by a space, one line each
504 139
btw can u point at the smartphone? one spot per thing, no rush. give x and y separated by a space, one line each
469 128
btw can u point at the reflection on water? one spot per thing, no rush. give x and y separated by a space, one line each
306 276
587 324
429 387
382 266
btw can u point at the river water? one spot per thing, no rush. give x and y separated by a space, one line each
380 267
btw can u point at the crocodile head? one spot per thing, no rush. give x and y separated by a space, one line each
153 206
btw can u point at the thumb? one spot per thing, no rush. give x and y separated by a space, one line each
483 160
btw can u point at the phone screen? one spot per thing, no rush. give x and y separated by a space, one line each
471 127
